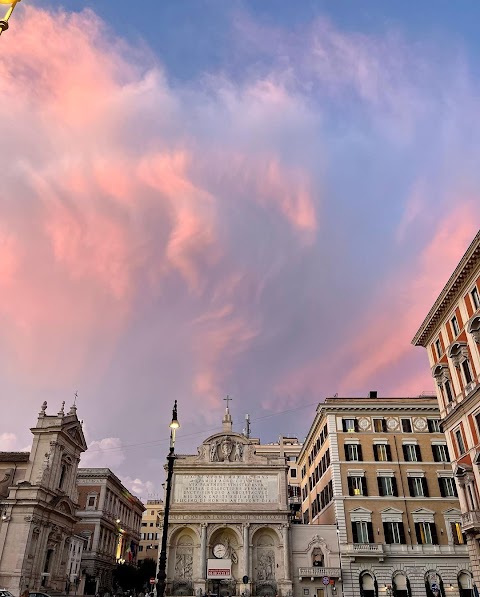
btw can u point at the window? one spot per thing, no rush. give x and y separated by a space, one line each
379 425
448 390
455 326
357 486
350 425
426 533
353 452
466 371
418 486
382 452
411 453
406 425
440 453
438 348
292 458
151 524
457 535
91 501
144 524
293 473
447 487
460 444
434 425
362 532
387 486
394 532
475 298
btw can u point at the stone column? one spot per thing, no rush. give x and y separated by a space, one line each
203 552
286 550
246 555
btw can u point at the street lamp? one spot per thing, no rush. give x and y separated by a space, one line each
8 14
162 562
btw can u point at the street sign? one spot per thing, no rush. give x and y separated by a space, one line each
326 580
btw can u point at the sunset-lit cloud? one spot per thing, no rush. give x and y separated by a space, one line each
275 228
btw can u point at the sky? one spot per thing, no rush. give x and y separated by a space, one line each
202 198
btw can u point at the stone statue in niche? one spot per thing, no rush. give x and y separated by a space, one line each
42 473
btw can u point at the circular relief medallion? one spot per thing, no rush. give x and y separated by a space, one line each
419 424
363 423
392 424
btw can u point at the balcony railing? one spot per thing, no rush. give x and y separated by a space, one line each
471 520
374 549
318 571
402 548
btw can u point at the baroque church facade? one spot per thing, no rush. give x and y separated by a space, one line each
38 500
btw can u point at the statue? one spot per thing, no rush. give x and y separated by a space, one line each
238 452
213 452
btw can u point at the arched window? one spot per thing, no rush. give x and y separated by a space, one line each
465 584
368 585
400 585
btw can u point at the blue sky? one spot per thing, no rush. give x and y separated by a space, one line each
260 199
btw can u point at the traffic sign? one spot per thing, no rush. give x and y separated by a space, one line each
326 580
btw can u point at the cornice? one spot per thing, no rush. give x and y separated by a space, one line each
469 261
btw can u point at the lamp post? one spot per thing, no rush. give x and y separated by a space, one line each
162 562
8 14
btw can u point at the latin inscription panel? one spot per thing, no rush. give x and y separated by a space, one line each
226 489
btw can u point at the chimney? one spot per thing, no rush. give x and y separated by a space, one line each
373 394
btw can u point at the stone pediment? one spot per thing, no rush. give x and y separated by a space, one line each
423 511
75 432
390 511
227 448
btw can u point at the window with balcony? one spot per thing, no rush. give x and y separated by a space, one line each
440 453
357 486
418 486
455 326
353 452
406 425
411 453
448 487
362 532
379 425
387 486
475 298
382 452
426 533
460 442
433 425
349 425
394 533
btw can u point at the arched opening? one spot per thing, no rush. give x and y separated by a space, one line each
182 562
265 568
317 557
400 585
434 584
465 584
225 545
368 585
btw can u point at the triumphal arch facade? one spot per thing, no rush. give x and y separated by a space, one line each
229 529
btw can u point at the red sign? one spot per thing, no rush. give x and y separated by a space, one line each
152 581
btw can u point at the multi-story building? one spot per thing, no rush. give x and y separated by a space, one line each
288 448
150 532
38 502
451 335
75 579
110 520
379 468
